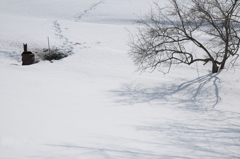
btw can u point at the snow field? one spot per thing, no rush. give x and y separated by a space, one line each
93 104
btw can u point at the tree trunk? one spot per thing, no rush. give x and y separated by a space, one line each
214 67
223 63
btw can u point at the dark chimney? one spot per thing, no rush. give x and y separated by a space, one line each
25 47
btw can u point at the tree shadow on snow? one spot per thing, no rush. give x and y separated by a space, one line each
111 152
203 133
212 134
201 93
214 137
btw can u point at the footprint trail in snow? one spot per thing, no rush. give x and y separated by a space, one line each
67 45
79 16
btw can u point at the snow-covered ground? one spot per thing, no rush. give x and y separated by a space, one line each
93 104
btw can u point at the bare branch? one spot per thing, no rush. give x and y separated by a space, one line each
165 33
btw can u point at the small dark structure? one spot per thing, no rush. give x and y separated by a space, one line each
28 57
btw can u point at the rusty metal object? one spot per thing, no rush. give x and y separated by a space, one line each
28 57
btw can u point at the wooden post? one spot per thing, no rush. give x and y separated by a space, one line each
49 47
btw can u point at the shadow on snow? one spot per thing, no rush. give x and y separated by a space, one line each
213 134
201 93
202 133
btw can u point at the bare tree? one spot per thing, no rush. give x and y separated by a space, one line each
188 31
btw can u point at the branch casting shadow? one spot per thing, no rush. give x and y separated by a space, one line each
200 93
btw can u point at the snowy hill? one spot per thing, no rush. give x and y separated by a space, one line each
93 104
